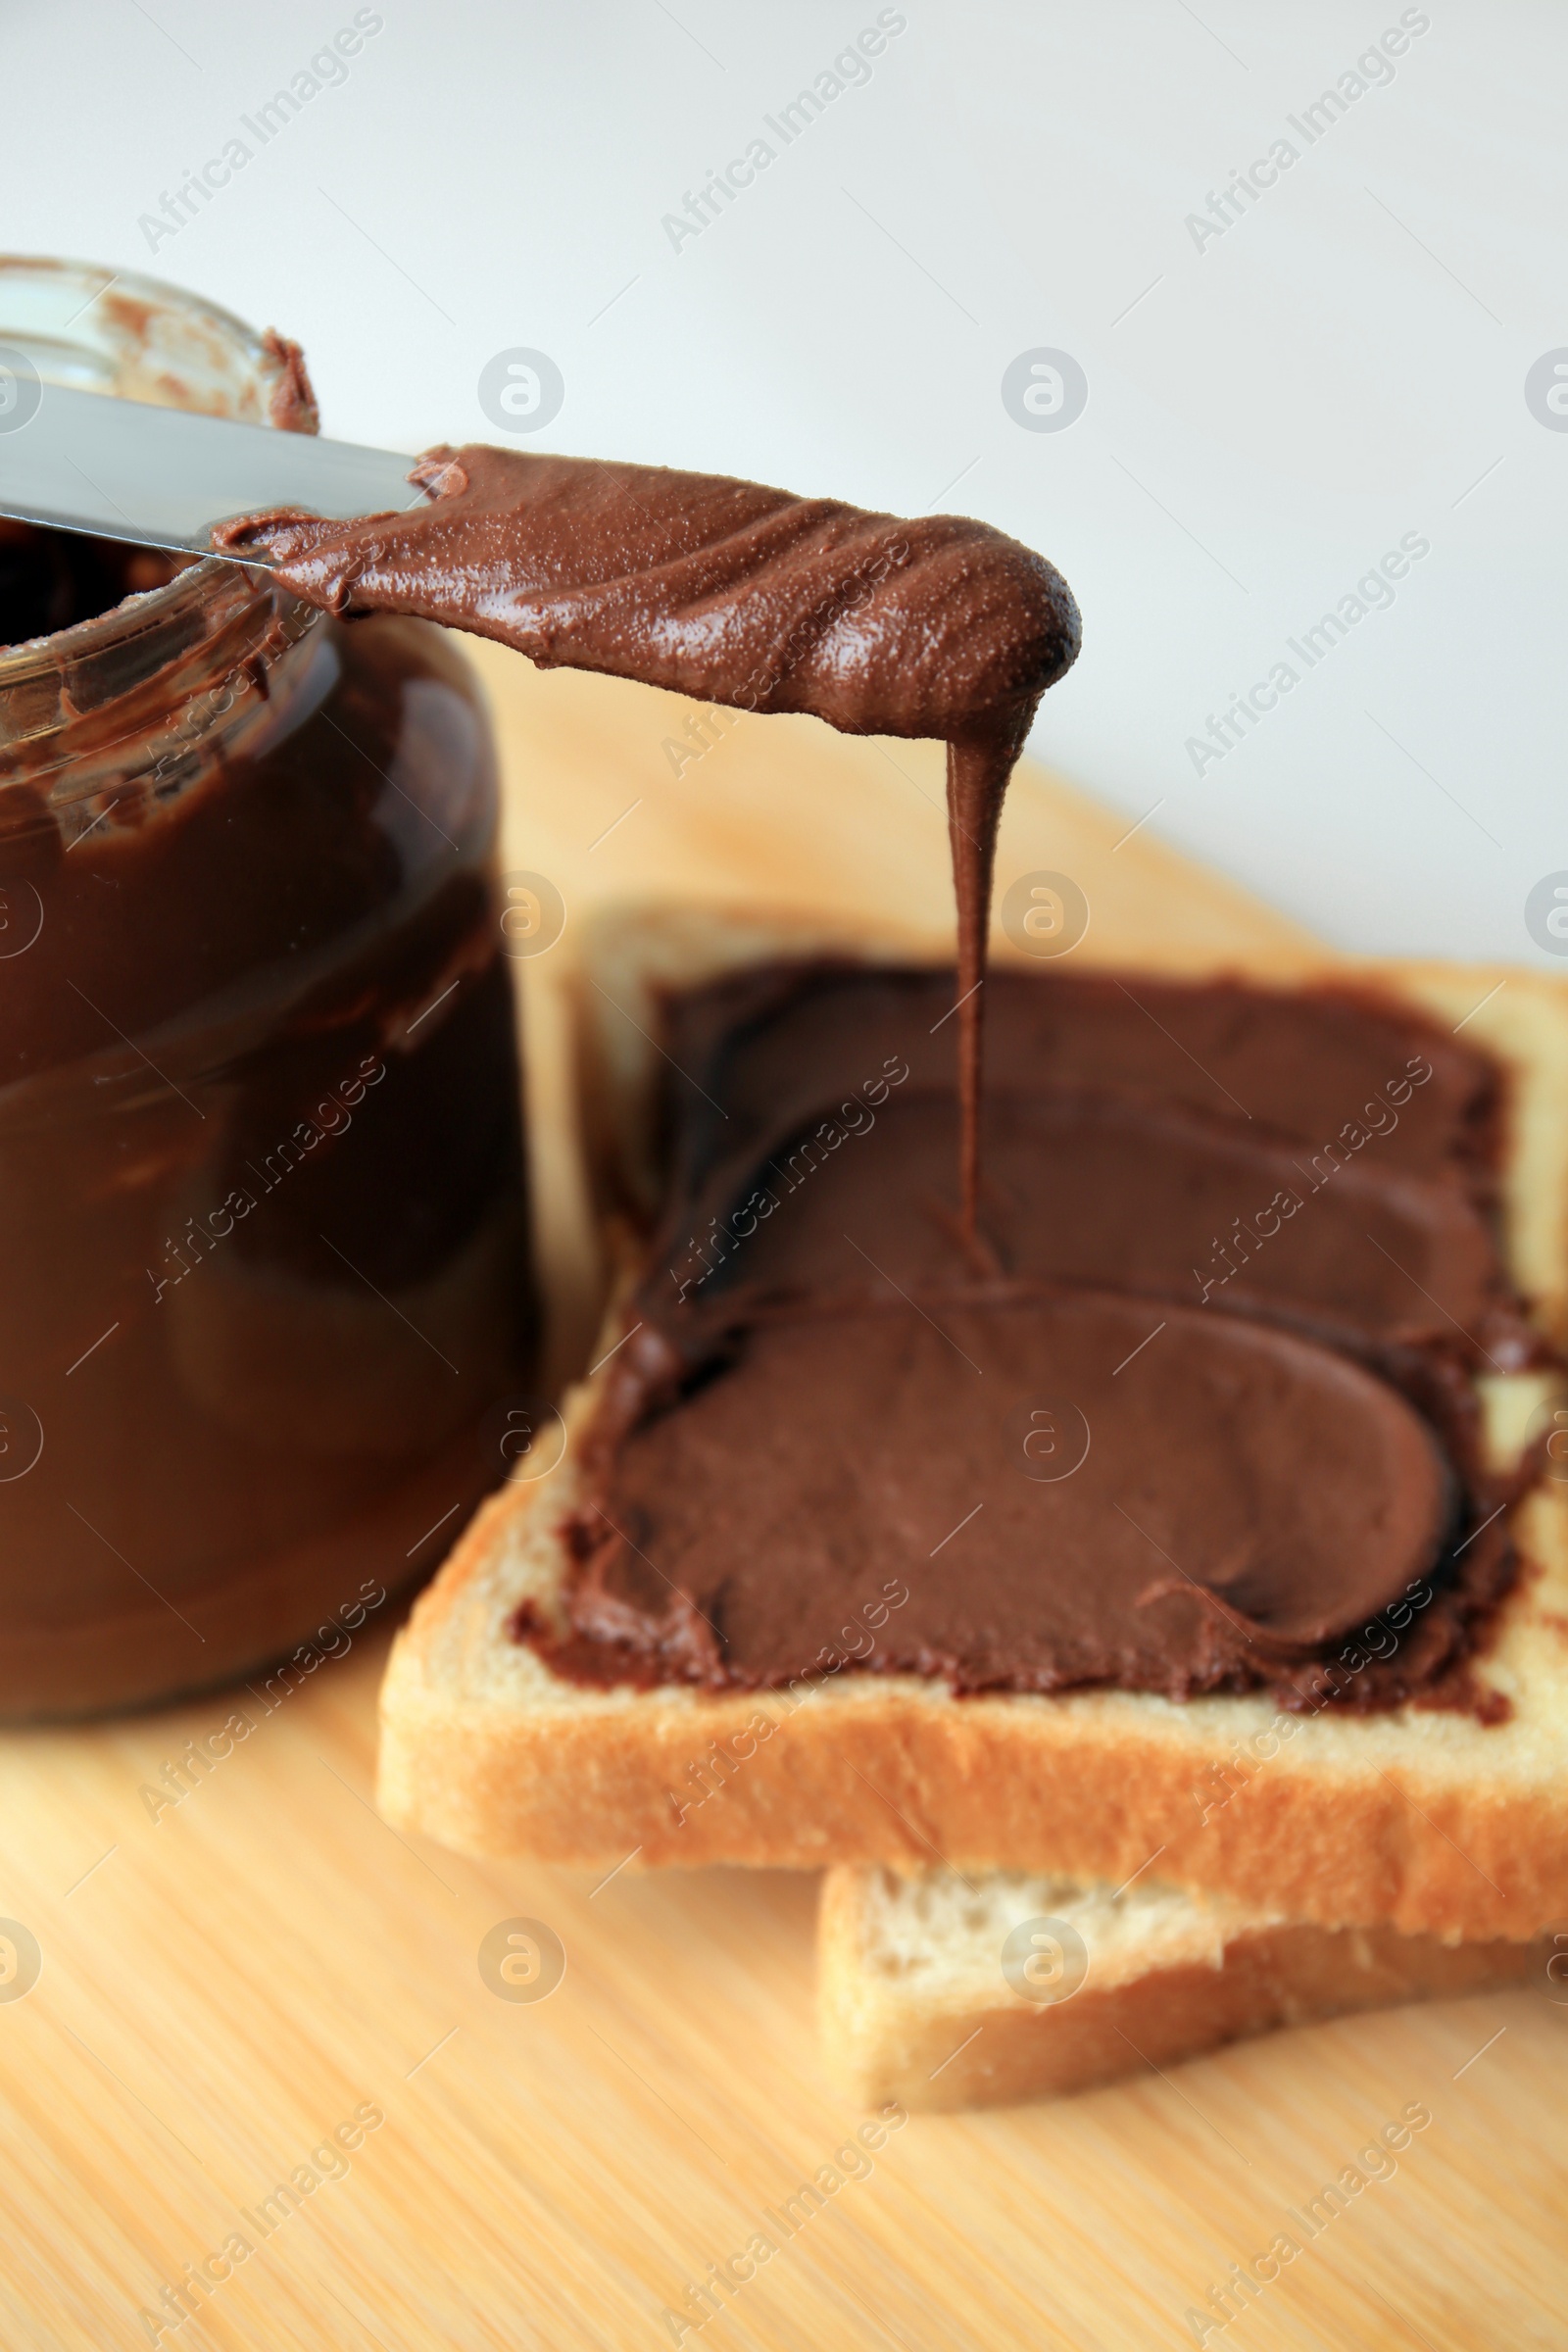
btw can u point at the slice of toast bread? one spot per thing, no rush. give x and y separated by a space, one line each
945 1992
1431 1821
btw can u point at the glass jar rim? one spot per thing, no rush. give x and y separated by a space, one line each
122 335
126 336
142 611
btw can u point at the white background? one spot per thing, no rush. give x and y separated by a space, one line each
1344 366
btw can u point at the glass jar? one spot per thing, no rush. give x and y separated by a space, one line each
266 1255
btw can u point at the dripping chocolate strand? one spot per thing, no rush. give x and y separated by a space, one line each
980 764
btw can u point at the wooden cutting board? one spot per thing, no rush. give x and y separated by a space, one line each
222 1989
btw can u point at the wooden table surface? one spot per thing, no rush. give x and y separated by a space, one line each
222 1989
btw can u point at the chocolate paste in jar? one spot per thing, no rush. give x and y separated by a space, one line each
261 1161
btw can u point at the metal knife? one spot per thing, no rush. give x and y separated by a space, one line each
162 477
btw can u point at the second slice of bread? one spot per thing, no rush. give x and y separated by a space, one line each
918 2002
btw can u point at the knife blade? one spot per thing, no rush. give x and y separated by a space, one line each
162 477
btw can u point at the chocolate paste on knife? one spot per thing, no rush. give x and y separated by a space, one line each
828 1400
737 594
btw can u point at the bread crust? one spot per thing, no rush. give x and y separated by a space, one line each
1428 1821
